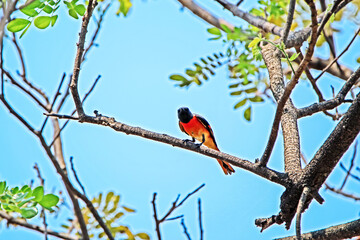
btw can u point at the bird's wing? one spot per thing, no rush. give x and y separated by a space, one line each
207 126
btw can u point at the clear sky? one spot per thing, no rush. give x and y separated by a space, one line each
135 57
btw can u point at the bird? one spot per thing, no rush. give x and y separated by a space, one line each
198 128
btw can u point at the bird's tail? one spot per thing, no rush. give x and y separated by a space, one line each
226 167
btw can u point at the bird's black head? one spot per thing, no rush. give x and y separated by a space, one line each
184 114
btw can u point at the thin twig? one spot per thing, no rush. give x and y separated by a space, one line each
157 223
98 26
350 174
330 104
289 20
351 166
299 211
174 206
338 191
85 97
53 102
200 220
29 93
18 116
335 60
185 229
76 176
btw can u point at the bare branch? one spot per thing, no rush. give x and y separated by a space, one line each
200 220
341 192
18 116
330 104
265 172
289 20
76 176
335 60
174 206
56 136
342 231
98 26
185 229
157 223
23 223
29 93
351 166
299 211
205 14
79 56
53 102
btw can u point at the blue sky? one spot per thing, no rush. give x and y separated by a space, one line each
135 57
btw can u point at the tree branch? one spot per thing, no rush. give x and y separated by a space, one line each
264 172
14 221
289 20
78 59
342 231
205 14
299 211
330 104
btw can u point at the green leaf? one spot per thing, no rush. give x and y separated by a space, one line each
254 42
225 28
48 9
256 99
33 5
358 60
214 31
251 90
124 8
17 25
29 12
247 114
38 193
294 56
143 236
42 22
53 20
28 212
80 9
25 201
190 72
49 200
177 77
241 103
235 85
73 13
236 93
128 209
15 190
2 187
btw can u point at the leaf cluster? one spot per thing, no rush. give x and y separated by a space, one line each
242 67
39 12
111 212
24 200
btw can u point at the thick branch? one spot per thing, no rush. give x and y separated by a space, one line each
334 147
342 231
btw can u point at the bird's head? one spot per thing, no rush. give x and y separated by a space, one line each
184 115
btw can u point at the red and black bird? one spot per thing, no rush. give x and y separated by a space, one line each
198 128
